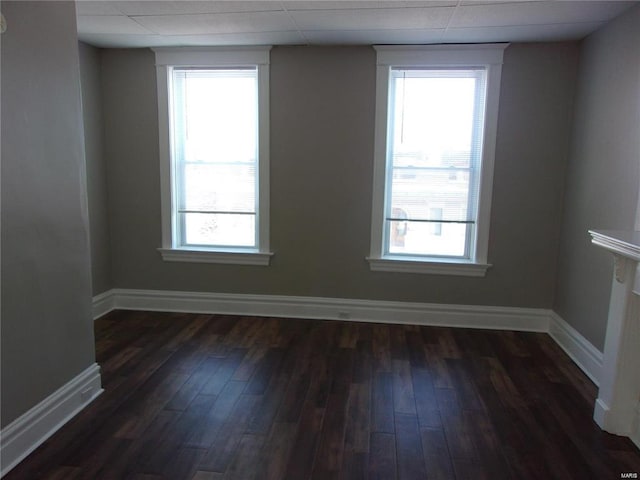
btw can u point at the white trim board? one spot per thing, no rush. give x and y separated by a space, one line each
29 431
465 316
579 349
103 303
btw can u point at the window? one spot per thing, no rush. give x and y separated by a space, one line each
213 120
436 115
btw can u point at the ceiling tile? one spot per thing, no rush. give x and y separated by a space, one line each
133 41
532 13
186 7
261 38
355 5
373 19
217 23
339 22
371 37
521 33
118 24
489 2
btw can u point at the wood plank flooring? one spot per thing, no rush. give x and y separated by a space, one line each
210 397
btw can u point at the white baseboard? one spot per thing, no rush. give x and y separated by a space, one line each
600 413
26 433
579 349
103 303
467 316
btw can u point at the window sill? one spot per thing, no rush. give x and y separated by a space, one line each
441 267
215 256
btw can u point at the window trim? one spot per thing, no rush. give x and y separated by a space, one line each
428 56
166 59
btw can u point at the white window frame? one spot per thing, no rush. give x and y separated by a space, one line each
480 55
166 60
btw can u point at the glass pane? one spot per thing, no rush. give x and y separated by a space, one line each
228 188
218 109
433 118
419 193
427 238
436 121
218 230
215 140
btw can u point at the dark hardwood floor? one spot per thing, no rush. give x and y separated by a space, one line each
208 397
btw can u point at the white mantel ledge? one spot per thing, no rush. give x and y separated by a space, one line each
617 408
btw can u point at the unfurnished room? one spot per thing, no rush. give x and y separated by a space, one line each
320 240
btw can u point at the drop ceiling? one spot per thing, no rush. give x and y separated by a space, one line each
181 23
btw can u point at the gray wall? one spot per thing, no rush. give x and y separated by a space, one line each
322 123
603 173
96 168
47 330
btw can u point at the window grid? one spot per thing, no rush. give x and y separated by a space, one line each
173 248
397 92
388 219
186 217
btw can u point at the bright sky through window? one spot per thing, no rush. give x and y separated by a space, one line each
435 115
215 140
435 125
